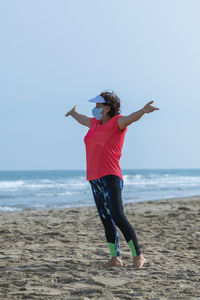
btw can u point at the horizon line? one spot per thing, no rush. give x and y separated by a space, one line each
125 169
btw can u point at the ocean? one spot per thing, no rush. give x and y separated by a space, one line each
21 190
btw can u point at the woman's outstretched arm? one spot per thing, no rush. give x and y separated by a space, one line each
124 121
82 119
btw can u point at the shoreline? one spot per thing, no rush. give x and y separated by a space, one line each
31 209
59 253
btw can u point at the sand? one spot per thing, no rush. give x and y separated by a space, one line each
59 254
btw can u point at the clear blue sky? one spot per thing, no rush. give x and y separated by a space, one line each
55 54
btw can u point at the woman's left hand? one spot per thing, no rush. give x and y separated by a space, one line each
149 108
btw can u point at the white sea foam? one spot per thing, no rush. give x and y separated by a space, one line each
162 180
11 184
54 194
9 209
42 184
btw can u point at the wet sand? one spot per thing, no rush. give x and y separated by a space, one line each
59 254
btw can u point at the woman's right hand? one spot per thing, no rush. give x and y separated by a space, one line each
71 111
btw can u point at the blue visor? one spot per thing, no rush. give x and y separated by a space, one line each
97 99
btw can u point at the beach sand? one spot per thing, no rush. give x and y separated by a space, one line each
59 254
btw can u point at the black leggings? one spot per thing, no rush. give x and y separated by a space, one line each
107 195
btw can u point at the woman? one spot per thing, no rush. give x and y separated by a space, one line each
104 142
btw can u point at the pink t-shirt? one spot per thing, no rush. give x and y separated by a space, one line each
103 148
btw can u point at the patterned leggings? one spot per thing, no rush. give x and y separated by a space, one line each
107 195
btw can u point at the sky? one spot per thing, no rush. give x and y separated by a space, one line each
57 54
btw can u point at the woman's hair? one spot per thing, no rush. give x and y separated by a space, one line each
113 101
